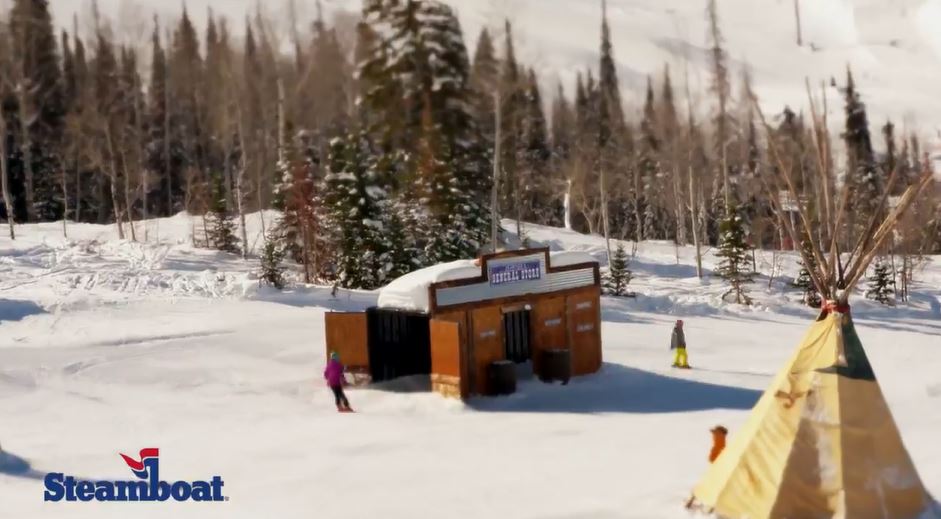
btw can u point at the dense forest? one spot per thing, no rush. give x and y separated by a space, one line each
380 141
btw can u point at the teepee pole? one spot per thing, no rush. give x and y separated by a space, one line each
785 172
772 192
907 199
864 239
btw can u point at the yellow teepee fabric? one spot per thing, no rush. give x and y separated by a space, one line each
820 443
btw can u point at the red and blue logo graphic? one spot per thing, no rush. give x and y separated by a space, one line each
149 457
147 487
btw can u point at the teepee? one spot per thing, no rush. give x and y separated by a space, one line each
821 441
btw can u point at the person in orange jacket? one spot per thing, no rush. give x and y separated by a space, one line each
718 442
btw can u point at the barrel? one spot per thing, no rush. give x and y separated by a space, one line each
556 365
501 378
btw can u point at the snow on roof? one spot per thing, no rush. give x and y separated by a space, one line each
410 292
566 258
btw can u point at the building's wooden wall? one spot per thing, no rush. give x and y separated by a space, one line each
446 358
548 327
584 330
346 334
487 340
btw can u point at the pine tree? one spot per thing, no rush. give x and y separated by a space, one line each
164 152
650 168
417 64
865 181
534 160
881 283
272 271
619 275
40 106
484 83
563 142
735 261
356 200
220 230
804 281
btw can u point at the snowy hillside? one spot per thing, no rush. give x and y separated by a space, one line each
893 46
110 346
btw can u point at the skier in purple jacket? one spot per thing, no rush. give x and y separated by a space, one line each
334 375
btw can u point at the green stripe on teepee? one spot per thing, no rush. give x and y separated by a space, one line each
857 363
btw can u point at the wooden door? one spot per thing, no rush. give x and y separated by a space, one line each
487 340
447 366
346 334
584 330
548 325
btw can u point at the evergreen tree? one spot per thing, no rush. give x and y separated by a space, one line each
164 151
650 169
357 201
484 83
40 106
735 261
619 275
186 88
272 271
563 141
534 160
804 280
417 63
865 181
220 229
881 283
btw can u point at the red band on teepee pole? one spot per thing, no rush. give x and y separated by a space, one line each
834 306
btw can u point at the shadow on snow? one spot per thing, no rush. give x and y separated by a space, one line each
620 389
13 465
17 309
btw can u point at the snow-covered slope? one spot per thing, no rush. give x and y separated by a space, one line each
110 346
893 46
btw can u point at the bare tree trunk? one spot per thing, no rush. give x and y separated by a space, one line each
568 204
681 237
797 17
774 266
144 184
603 188
116 206
65 202
5 177
239 194
27 149
241 210
127 196
495 188
168 175
78 180
695 220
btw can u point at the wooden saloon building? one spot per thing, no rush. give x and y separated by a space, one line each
459 321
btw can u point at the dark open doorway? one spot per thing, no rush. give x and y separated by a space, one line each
399 344
516 336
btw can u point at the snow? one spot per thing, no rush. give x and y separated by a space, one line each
109 346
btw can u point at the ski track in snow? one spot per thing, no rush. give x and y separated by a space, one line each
109 345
